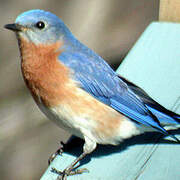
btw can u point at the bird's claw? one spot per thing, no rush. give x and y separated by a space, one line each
68 172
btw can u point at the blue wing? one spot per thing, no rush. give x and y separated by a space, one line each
164 115
96 77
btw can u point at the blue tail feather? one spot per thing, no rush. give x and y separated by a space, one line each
177 118
165 118
164 115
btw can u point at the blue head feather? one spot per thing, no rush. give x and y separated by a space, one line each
54 30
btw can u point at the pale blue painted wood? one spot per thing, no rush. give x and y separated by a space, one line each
153 64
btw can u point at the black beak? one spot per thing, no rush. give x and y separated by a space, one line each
13 27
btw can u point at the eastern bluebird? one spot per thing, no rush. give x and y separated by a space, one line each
78 90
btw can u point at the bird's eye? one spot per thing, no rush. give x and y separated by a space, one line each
40 25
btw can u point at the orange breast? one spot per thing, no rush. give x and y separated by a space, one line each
45 76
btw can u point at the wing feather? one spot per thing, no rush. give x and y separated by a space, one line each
98 79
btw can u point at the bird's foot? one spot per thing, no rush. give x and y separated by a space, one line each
68 172
58 152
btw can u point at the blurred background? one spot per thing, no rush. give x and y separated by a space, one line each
110 28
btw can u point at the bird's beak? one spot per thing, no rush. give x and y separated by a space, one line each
14 27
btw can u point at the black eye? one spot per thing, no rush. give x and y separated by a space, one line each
40 25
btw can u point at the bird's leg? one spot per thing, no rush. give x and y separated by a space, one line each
70 169
58 152
88 147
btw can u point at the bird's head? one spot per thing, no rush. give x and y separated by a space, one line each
40 27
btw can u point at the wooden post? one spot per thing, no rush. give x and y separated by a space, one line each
169 10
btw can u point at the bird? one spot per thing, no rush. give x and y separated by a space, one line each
78 90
